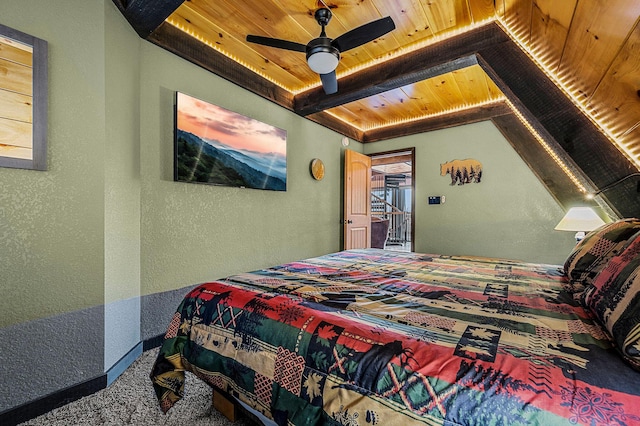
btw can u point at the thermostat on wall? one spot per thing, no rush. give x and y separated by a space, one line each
436 199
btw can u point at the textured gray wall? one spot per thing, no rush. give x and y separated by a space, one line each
46 355
158 309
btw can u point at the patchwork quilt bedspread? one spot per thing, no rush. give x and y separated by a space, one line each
371 337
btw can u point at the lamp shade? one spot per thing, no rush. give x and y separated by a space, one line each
579 219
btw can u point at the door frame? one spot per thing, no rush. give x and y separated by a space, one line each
412 153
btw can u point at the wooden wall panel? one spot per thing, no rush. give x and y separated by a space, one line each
15 106
16 100
16 52
15 134
16 152
23 100
16 77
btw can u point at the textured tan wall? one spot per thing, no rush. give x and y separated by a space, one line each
52 222
508 214
193 233
73 236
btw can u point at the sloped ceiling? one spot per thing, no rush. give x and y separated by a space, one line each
561 80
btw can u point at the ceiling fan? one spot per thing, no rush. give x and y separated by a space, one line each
323 53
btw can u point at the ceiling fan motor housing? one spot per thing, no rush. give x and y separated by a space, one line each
323 16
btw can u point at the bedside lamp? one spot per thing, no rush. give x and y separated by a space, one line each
580 219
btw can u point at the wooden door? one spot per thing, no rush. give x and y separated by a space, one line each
357 200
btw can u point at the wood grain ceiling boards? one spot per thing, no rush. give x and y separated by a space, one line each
446 93
591 48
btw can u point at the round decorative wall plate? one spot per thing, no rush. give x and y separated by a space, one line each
317 169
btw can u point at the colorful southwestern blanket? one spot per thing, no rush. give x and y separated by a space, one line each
372 337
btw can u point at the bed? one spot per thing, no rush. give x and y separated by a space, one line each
373 337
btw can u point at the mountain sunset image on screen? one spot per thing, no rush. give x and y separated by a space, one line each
220 147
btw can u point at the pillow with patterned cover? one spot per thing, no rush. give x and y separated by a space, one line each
614 298
592 254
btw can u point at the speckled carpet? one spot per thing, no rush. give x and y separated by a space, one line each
130 400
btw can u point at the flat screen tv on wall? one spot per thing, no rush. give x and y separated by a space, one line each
219 147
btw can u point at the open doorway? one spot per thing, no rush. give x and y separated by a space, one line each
392 200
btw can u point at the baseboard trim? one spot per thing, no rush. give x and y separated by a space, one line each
118 368
57 399
40 406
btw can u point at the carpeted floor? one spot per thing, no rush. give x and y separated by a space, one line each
130 400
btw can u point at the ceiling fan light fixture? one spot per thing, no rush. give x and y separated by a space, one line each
322 57
323 62
323 53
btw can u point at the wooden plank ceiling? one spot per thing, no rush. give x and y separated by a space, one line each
443 65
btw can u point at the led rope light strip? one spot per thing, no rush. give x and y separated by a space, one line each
571 95
417 118
532 55
227 54
577 182
459 108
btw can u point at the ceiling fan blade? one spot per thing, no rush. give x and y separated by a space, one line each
329 82
275 42
364 34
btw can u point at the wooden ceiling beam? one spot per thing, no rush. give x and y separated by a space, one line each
428 124
571 134
448 55
146 15
351 88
